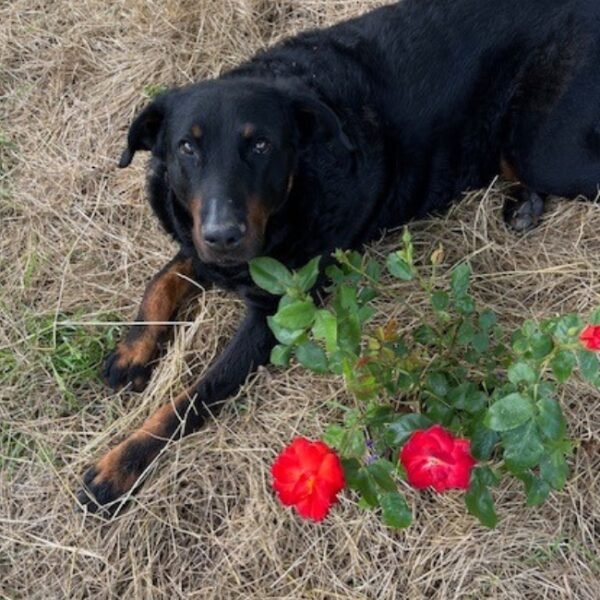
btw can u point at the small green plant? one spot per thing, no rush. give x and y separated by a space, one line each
152 90
71 350
7 149
457 369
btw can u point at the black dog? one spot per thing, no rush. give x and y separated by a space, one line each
326 139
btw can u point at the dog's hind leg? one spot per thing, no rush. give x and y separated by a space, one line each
554 134
523 208
131 361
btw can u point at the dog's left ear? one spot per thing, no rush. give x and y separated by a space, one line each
144 130
317 121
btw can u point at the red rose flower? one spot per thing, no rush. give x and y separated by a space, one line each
590 337
309 476
435 458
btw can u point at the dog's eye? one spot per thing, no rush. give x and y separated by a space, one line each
186 148
261 146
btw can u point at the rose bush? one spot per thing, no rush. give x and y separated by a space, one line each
429 401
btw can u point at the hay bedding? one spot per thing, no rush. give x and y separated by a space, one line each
76 233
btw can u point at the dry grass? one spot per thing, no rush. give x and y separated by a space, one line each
76 234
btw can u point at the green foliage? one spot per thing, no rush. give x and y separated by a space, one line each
456 367
69 350
152 90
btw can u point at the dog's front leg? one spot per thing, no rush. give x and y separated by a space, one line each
130 362
114 475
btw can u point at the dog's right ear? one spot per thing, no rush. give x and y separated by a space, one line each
144 130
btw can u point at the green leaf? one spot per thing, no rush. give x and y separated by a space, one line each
381 471
280 355
325 328
461 276
379 415
480 502
406 381
529 328
312 356
588 365
521 372
465 334
546 389
467 396
519 343
307 276
367 487
550 419
568 328
354 443
465 305
437 384
334 436
270 275
395 510
373 270
481 342
366 294
541 345
399 268
346 299
483 441
509 412
352 416
348 334
365 313
439 300
536 489
425 335
487 476
351 468
523 447
402 428
296 315
439 411
554 469
283 335
487 320
562 365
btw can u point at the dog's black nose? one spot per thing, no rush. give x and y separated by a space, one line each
223 237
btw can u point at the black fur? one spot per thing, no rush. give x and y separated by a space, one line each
370 123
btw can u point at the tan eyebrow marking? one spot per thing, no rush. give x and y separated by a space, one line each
197 131
248 130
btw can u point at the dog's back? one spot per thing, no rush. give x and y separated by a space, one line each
426 89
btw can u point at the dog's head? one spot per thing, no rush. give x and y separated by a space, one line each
230 149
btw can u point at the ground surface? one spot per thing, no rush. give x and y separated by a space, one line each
77 239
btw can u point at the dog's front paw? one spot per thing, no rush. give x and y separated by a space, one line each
128 364
106 484
98 495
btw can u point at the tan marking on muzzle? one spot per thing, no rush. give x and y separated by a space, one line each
258 215
196 210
